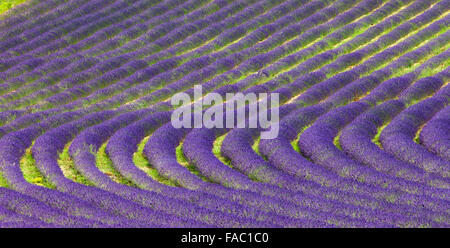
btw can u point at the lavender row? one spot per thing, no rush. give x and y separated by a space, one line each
46 161
202 199
13 146
299 84
228 30
160 150
340 34
151 23
45 151
52 41
198 145
398 137
120 60
96 13
166 73
25 12
326 88
434 135
54 14
181 84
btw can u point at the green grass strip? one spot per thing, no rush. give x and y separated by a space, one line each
294 143
105 165
3 182
217 145
31 173
336 141
181 159
376 139
68 168
142 163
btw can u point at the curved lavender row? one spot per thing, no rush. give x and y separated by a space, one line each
381 92
85 162
416 204
13 146
398 137
391 87
160 150
241 152
45 151
194 150
121 152
116 148
323 152
281 155
356 140
371 203
198 150
435 134
238 151
212 202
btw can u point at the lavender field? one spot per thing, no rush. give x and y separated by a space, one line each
86 138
